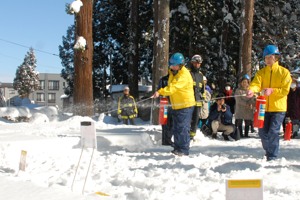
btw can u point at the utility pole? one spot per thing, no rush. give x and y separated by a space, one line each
83 62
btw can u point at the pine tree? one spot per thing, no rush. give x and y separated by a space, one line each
27 80
275 22
66 54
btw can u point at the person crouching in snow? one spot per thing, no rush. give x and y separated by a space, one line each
220 118
127 109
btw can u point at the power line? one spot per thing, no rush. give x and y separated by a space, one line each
21 45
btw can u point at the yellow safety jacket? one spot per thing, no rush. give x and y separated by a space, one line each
180 89
127 107
278 78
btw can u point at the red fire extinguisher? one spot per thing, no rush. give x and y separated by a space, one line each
259 115
163 111
288 129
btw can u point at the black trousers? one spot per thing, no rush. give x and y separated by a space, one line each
239 125
166 130
125 121
195 120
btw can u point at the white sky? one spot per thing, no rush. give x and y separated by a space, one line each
130 162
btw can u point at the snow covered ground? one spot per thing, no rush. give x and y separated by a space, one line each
130 162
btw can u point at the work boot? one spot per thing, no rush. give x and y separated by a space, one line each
179 153
214 136
225 137
192 135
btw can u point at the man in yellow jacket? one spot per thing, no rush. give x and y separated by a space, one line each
274 82
181 93
127 109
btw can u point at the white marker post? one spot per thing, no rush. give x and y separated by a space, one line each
88 140
246 189
22 164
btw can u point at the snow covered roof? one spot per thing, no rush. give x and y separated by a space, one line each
119 88
6 85
64 96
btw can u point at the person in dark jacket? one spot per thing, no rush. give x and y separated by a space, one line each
166 129
127 109
220 118
199 92
293 107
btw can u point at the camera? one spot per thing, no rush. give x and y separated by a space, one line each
223 106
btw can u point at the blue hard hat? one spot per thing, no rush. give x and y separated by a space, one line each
176 59
246 76
271 50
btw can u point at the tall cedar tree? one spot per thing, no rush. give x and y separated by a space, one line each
27 80
83 62
209 28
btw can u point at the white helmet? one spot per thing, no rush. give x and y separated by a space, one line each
197 58
126 88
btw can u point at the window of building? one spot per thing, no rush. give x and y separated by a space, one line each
53 85
51 98
40 97
42 85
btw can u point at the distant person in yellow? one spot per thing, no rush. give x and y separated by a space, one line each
127 109
181 93
274 82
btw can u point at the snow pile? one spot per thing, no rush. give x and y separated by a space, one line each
130 162
32 113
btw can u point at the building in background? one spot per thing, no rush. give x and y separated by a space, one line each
51 90
7 94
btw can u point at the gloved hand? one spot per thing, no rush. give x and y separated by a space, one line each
268 91
119 116
250 93
155 95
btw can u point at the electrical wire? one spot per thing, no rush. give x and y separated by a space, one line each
21 45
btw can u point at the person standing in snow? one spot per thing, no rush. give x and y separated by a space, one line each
166 128
274 82
207 86
204 111
293 107
127 109
244 109
199 92
229 100
181 93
